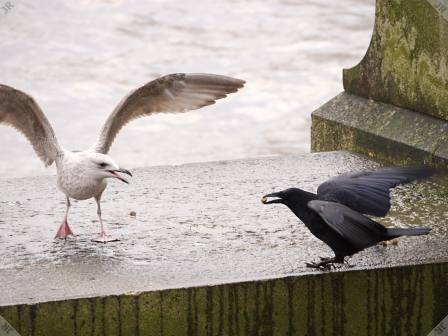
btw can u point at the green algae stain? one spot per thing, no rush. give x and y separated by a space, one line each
281 312
97 315
111 316
83 317
128 315
177 308
54 318
406 63
150 314
25 320
408 300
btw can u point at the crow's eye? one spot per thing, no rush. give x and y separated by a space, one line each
102 165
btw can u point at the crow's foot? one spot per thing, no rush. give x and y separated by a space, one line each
325 263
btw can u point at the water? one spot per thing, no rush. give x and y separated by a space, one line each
78 59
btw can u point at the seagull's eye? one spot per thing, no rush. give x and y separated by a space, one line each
102 165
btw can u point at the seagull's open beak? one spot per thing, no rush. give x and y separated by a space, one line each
125 171
117 176
276 198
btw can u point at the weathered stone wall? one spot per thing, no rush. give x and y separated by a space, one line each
407 300
405 66
383 131
407 60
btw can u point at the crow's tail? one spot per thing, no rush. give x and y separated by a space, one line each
397 232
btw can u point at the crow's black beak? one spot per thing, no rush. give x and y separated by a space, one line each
276 198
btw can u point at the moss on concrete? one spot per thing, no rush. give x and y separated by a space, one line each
408 300
382 131
407 60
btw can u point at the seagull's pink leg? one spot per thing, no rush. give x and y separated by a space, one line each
64 230
102 237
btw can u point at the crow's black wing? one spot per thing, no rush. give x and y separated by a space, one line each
369 192
360 231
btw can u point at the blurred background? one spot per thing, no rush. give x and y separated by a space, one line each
78 59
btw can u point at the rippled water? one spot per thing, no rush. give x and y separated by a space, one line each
79 58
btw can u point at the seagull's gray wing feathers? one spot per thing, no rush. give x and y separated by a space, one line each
171 93
20 111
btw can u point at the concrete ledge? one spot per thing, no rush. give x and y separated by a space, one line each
204 257
379 130
391 301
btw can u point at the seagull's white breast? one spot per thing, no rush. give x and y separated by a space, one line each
74 179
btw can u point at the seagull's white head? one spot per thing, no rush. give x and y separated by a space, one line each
100 166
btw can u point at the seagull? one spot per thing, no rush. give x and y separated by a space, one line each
83 175
336 214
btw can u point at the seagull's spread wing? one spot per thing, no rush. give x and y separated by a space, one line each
369 192
171 93
360 231
20 111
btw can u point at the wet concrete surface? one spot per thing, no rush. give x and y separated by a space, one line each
195 224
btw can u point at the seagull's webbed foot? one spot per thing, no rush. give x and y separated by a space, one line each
325 263
104 238
64 231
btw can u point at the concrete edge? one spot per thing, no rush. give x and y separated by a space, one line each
382 131
403 300
201 284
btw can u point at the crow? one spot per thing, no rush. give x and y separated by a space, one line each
336 214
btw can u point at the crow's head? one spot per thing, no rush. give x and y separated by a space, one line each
285 196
